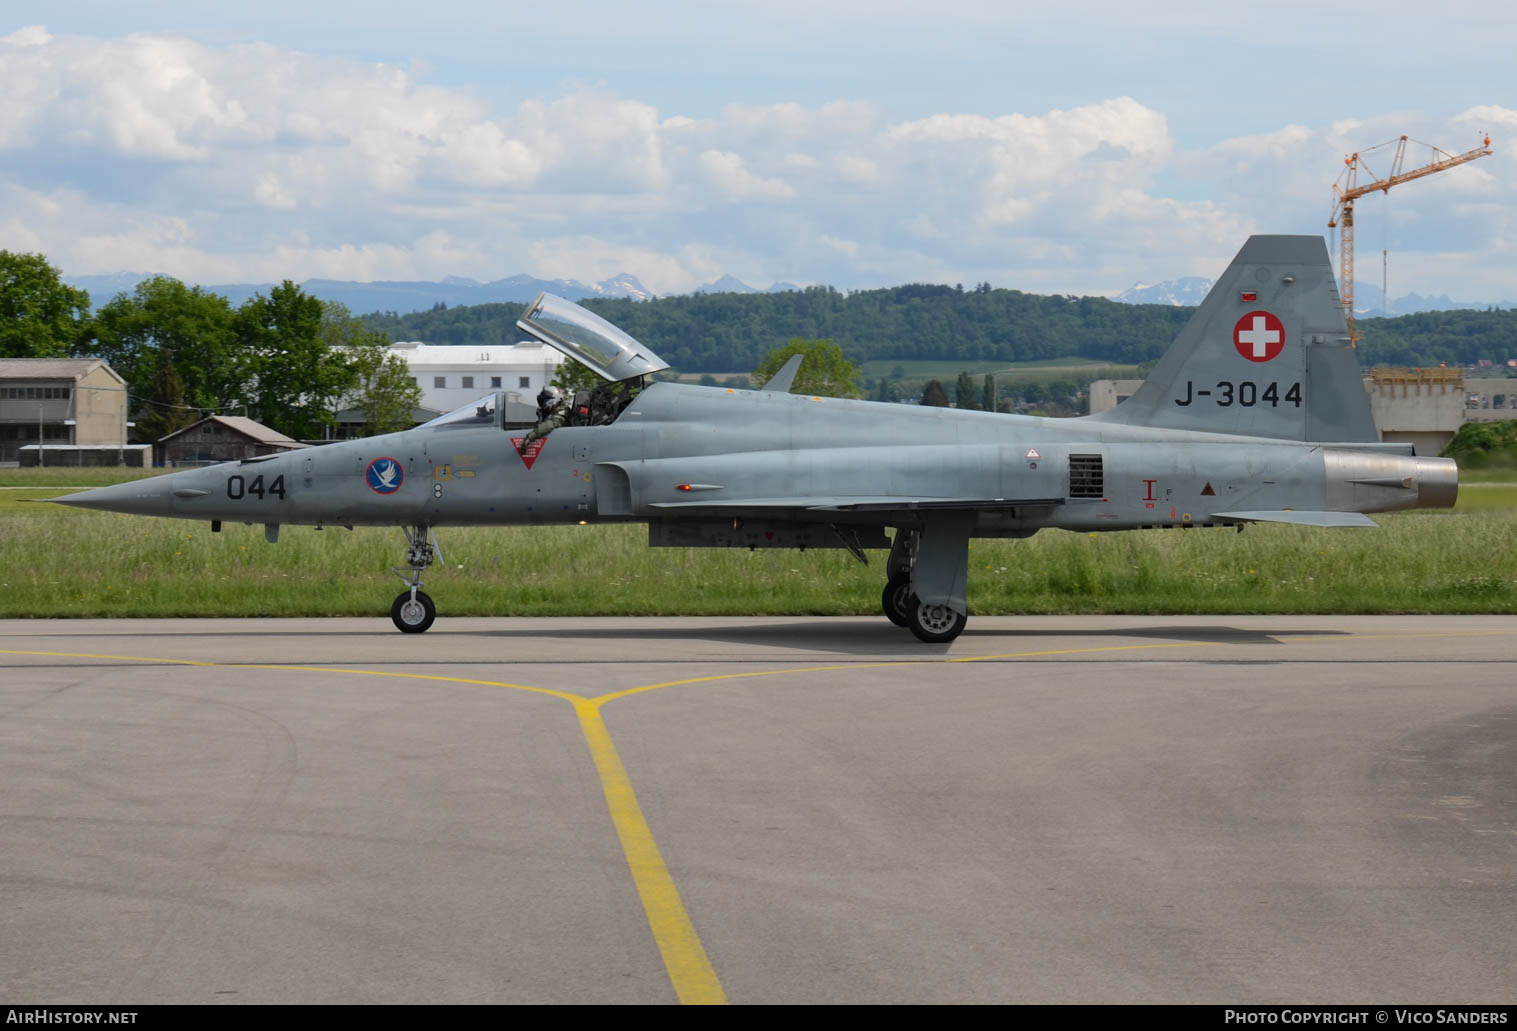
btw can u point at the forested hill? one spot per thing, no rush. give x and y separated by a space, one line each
733 332
1430 337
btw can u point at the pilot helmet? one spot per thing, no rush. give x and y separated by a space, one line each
550 397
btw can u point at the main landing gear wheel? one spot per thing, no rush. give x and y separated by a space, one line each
935 624
413 615
895 597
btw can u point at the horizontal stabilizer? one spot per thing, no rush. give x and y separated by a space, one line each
1299 518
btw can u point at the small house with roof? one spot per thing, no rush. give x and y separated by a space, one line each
222 438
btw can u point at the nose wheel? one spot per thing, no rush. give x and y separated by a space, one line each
413 611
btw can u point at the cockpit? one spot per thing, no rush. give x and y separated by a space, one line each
479 413
589 340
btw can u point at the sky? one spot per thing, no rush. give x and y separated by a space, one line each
1075 147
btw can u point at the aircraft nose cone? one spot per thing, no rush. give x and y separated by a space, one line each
138 497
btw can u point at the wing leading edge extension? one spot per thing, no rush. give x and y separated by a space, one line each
870 504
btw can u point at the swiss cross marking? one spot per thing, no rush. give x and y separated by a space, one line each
1259 336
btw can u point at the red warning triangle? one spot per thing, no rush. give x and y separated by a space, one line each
1207 490
532 450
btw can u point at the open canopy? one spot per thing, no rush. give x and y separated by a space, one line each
588 338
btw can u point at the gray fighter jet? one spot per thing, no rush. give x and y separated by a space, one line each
1256 413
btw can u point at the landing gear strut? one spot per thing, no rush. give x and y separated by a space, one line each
934 562
897 593
413 611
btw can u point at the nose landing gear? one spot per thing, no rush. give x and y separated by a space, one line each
413 611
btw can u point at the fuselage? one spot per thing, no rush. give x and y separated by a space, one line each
687 452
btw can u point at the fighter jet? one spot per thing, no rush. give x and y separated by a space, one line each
1256 413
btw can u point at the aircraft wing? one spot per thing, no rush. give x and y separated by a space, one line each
1299 518
862 504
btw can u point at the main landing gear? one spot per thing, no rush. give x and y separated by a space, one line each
413 611
896 598
935 624
939 621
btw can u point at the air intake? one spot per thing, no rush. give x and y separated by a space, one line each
1085 477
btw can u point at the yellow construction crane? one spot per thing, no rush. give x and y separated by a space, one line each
1347 190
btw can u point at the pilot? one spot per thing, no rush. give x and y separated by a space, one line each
548 399
552 412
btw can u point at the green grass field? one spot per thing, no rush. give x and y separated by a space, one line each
57 561
71 477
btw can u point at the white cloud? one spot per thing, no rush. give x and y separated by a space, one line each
731 175
857 170
1023 164
252 162
794 120
847 248
270 192
29 36
590 259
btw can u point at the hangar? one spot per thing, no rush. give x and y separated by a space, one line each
72 402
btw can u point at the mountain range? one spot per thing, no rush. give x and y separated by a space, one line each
403 296
1189 291
394 295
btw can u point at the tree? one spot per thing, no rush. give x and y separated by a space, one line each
964 392
574 376
192 329
1484 445
824 371
934 395
991 401
166 412
298 379
40 315
382 383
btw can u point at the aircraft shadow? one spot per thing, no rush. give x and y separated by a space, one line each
862 638
876 638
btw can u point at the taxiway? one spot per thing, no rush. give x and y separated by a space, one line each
1052 809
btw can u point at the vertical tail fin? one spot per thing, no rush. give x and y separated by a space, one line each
1267 354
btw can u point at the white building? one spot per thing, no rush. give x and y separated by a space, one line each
451 376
